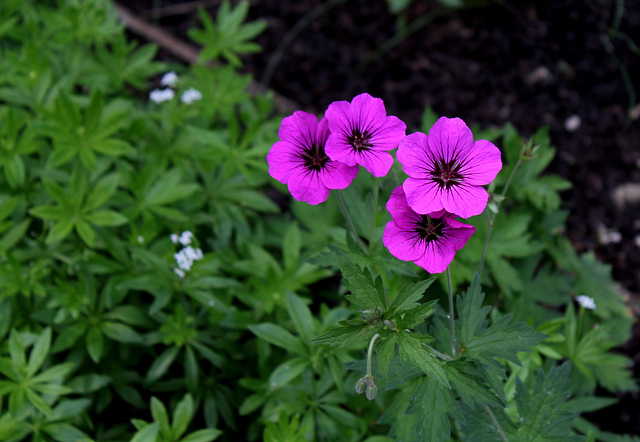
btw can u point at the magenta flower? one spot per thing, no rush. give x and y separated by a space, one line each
430 240
361 133
447 169
299 159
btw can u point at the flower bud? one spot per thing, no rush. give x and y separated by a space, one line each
372 390
361 385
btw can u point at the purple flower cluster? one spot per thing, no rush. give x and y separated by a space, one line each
446 170
312 158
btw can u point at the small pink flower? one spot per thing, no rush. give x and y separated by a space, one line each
429 240
361 133
447 169
299 159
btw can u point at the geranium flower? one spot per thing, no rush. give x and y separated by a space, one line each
447 169
299 159
361 133
429 240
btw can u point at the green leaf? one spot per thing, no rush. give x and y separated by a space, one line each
347 336
412 349
168 189
161 364
287 371
49 212
120 332
202 436
541 413
276 335
385 352
39 352
86 232
409 295
469 385
160 416
470 310
291 245
106 218
432 402
88 383
147 434
300 316
95 344
38 402
54 373
417 315
59 231
182 416
102 192
364 293
501 340
113 147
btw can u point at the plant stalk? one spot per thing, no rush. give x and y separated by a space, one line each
370 353
345 212
491 219
452 320
374 217
496 424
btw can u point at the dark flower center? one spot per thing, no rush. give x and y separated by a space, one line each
429 229
447 174
314 157
359 140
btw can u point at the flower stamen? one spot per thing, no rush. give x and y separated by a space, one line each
359 140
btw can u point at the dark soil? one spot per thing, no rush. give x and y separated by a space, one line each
531 63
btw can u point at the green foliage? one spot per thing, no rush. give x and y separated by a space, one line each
229 35
108 335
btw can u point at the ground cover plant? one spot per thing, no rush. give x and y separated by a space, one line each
150 290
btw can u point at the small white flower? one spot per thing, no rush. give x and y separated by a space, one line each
169 79
191 95
174 238
179 272
160 95
140 239
185 238
586 302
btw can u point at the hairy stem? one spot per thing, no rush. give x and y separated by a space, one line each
491 219
495 423
345 212
452 320
370 353
374 217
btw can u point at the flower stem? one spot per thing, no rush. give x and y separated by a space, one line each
496 424
452 320
345 212
374 216
370 353
491 219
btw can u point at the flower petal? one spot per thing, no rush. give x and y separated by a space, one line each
437 256
423 196
482 163
337 175
306 185
283 161
450 138
378 162
389 134
403 244
299 129
400 210
413 155
464 200
368 112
